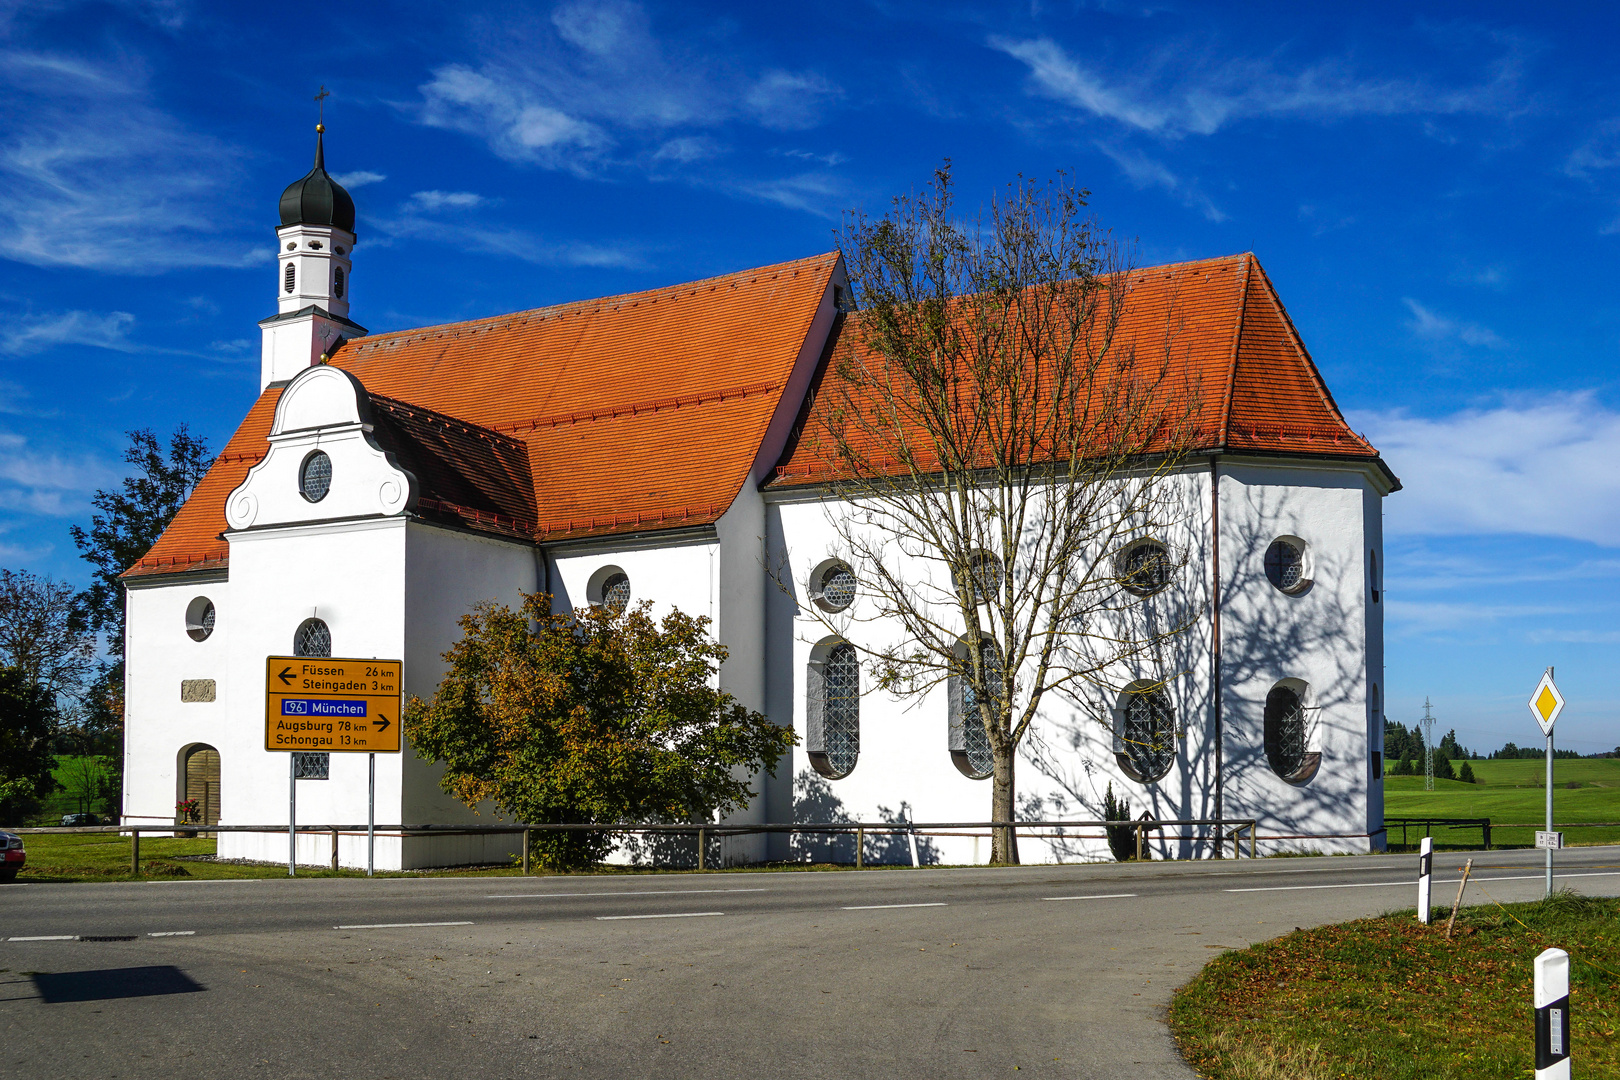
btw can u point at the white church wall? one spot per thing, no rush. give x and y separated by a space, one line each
1067 765
160 656
351 576
1318 637
447 573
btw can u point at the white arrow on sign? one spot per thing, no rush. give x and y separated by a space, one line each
1546 703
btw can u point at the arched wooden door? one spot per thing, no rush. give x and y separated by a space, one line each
202 783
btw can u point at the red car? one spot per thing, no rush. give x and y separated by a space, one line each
12 856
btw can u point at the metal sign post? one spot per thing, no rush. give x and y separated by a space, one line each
1552 1015
371 813
315 706
1545 705
292 818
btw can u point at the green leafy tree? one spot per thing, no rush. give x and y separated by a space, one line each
1403 767
1466 774
132 517
27 722
128 521
1442 765
590 717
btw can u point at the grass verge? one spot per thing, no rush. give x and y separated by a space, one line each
79 857
1393 999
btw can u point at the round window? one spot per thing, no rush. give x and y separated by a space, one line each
314 638
835 587
1144 567
200 618
616 593
1285 564
984 576
315 477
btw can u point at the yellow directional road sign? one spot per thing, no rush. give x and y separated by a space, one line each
333 705
1546 702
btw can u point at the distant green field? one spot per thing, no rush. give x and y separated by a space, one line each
1514 791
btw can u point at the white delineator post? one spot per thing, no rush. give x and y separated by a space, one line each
1552 1015
1425 868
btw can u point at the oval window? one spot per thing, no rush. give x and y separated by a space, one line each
1145 733
200 619
315 477
290 278
970 742
834 742
1286 736
337 282
1285 564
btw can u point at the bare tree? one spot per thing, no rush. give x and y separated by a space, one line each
1001 466
45 632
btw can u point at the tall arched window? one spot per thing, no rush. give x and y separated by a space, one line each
969 741
313 638
337 282
1145 732
289 278
1287 734
833 740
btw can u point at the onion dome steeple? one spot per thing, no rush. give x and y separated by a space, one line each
317 199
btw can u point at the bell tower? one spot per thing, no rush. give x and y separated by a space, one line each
314 249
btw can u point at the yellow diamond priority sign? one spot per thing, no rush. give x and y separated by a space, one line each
1546 703
333 705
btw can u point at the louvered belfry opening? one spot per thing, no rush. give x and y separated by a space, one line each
202 783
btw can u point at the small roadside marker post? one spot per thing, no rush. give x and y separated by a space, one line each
1545 705
1425 868
1552 1015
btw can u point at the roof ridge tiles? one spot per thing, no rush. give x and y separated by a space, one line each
586 416
589 305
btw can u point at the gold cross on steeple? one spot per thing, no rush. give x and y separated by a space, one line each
320 98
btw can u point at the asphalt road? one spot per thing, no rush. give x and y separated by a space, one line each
1060 971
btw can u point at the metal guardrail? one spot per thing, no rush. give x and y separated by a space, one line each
1482 824
1141 826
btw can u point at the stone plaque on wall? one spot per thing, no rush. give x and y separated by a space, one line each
196 689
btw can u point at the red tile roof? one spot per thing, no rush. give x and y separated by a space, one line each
633 412
647 411
1214 326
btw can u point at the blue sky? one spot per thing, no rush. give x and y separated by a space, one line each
1434 189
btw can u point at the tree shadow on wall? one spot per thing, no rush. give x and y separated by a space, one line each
1313 635
814 803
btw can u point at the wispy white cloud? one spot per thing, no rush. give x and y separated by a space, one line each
438 200
47 482
359 178
593 87
81 184
1431 326
1201 99
1541 466
821 194
513 243
1145 172
22 335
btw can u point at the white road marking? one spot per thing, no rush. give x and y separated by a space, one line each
208 881
171 933
1413 882
649 892
392 925
671 915
48 937
875 907
1103 896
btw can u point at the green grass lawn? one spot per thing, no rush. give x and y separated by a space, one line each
1514 791
1391 999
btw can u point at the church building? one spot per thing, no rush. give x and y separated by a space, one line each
647 447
